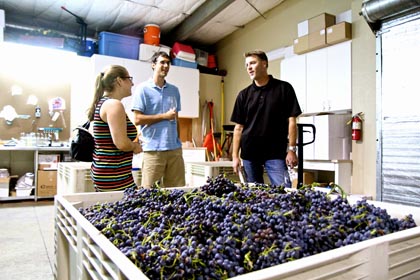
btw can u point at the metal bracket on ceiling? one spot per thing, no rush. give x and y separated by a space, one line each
255 9
83 30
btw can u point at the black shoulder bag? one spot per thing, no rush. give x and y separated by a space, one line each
82 144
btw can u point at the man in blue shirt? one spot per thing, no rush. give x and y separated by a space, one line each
155 105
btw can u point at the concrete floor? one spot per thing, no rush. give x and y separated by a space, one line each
27 240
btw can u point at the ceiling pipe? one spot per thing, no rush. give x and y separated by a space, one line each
197 19
376 12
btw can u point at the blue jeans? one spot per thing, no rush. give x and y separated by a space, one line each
276 171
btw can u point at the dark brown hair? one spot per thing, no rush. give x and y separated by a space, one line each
159 54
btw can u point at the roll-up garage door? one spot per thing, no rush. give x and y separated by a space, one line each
397 27
379 13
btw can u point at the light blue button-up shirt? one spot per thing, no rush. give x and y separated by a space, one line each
150 99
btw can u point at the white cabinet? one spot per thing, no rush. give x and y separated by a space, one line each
293 70
322 78
329 79
316 79
188 82
339 76
332 139
186 79
138 70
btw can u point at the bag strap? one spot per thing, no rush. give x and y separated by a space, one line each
86 124
84 129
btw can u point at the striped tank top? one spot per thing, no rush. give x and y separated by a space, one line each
111 167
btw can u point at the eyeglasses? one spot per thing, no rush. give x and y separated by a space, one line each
131 78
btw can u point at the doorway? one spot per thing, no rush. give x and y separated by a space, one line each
398 112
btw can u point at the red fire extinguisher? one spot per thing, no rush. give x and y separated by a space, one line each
356 126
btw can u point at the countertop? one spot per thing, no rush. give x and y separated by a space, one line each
34 148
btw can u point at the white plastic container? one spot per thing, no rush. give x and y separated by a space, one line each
146 51
82 252
23 191
4 184
198 172
74 177
4 173
137 176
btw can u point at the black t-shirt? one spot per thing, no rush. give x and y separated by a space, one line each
264 112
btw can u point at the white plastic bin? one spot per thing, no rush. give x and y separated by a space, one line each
74 177
82 252
198 172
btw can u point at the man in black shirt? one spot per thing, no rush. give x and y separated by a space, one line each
265 132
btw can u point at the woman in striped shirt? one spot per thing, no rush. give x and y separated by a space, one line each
115 135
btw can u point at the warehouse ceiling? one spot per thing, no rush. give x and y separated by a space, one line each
196 21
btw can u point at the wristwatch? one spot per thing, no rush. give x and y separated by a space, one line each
292 148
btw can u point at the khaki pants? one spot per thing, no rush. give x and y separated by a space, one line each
164 166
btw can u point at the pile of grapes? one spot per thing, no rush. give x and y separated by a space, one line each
222 230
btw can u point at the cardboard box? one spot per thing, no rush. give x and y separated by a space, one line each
300 45
321 21
46 183
339 33
317 40
308 178
4 181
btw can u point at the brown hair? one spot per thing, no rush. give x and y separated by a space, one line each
258 53
105 81
156 55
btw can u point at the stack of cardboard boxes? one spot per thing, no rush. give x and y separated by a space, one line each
47 175
321 31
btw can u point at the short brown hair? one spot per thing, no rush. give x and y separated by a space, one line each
258 53
159 54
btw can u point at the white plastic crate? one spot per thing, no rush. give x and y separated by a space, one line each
198 172
137 176
24 191
74 177
82 252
